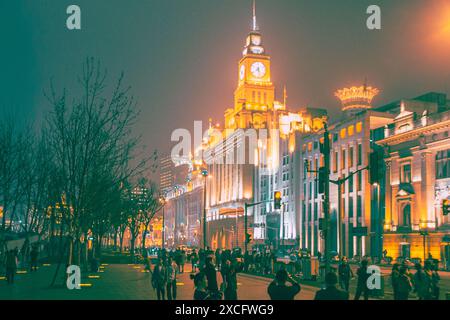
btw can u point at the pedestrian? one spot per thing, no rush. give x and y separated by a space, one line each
278 290
229 274
435 278
201 292
171 271
331 292
11 266
363 276
395 275
345 274
404 285
182 260
218 256
34 258
194 260
211 277
422 283
159 280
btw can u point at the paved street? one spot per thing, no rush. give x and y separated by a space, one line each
131 282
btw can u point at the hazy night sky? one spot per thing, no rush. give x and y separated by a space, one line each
180 56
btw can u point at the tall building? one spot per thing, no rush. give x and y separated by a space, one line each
354 219
417 180
248 152
166 178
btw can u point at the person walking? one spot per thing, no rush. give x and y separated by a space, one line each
229 274
278 290
435 278
194 260
11 266
403 284
159 280
34 254
363 276
172 271
345 274
395 275
422 283
211 277
331 292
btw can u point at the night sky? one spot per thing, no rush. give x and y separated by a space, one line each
180 56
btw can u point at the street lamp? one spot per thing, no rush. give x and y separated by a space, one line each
423 228
205 176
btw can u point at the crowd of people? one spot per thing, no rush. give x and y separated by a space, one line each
208 266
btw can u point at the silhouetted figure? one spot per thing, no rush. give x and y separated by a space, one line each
331 292
395 275
11 266
34 254
422 283
159 280
363 276
278 290
345 274
404 285
171 276
211 276
229 274
201 292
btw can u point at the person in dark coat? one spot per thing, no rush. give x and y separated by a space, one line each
331 292
404 285
278 290
229 274
159 280
11 266
211 276
345 274
363 276
395 275
34 258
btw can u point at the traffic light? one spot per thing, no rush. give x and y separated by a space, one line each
248 238
445 207
322 179
277 200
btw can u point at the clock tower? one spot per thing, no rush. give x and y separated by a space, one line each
255 92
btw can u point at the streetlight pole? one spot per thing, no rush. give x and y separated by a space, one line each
205 175
163 228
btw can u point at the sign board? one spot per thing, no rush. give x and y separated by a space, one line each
360 231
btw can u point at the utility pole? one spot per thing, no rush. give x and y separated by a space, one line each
326 198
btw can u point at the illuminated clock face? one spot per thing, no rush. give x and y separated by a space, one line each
258 69
242 72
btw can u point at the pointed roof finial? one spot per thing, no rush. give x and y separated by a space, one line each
255 25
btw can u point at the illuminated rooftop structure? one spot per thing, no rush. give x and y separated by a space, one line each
356 99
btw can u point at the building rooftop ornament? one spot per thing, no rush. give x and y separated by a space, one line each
356 99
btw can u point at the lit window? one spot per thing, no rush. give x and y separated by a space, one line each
359 127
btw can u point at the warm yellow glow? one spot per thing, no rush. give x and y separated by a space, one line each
21 272
94 277
359 127
357 97
85 284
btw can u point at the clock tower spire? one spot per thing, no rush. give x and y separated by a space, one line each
255 93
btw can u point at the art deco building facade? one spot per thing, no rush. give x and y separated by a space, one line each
417 151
